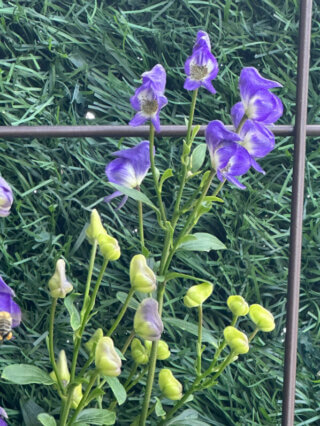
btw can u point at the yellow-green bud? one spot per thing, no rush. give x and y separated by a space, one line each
169 385
76 396
91 344
62 367
58 284
139 353
197 294
142 277
237 340
95 228
147 322
262 318
163 351
107 360
238 306
109 247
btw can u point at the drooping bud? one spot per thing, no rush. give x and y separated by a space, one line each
238 306
95 228
6 198
142 277
109 247
91 344
262 318
139 352
237 340
197 294
63 370
169 385
163 351
147 322
58 284
107 360
76 396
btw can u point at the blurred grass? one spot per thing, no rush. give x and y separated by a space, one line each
60 60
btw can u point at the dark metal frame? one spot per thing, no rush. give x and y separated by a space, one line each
299 131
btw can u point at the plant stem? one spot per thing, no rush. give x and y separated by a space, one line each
127 343
199 343
66 406
122 312
141 233
61 389
89 276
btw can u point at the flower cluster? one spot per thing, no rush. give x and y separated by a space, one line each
10 313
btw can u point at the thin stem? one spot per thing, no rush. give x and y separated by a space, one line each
242 121
199 343
89 276
252 335
141 233
61 389
122 312
132 384
127 343
66 406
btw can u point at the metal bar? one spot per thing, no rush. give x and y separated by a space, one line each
123 131
290 362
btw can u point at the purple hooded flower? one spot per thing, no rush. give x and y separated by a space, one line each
129 169
10 313
6 198
147 321
201 67
3 415
257 102
228 158
149 97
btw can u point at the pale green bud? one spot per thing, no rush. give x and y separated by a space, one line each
95 228
262 318
147 322
62 367
109 247
139 352
107 360
58 284
163 351
142 277
91 344
238 306
170 387
76 396
197 294
237 340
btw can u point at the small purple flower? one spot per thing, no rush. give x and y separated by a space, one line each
6 198
129 169
201 67
257 102
10 312
149 97
228 158
3 415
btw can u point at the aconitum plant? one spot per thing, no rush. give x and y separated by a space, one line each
93 378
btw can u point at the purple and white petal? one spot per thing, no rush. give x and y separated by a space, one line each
257 166
264 107
156 78
237 113
139 156
5 289
6 198
138 119
122 172
250 81
8 305
257 139
216 133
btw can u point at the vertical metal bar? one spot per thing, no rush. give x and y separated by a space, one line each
296 215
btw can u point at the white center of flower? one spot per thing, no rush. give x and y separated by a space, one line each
149 105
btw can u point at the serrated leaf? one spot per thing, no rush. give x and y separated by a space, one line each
96 416
198 156
75 320
24 374
135 194
192 329
118 390
201 241
46 420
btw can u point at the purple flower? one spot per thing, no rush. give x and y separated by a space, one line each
129 169
228 158
10 312
149 98
6 198
3 415
147 321
201 67
257 102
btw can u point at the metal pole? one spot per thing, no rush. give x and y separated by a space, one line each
290 362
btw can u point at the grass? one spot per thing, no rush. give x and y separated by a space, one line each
60 61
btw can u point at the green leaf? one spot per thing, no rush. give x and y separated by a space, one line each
186 418
118 390
198 156
73 312
194 132
135 194
201 241
24 374
121 296
30 411
46 419
192 329
213 198
96 416
159 409
166 175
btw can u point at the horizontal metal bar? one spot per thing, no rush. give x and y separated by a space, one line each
123 131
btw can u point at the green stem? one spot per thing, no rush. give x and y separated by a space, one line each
122 312
141 233
89 276
66 406
132 384
61 389
242 121
199 343
127 343
253 334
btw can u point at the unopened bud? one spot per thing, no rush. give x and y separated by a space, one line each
107 360
169 385
238 306
163 351
91 344
237 340
95 228
142 277
139 352
262 318
58 284
197 294
109 247
76 396
63 370
147 322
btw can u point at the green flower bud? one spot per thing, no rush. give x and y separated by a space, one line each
76 396
237 340
163 351
107 360
63 371
91 344
58 284
142 277
197 294
139 352
109 247
95 228
169 385
262 318
238 306
147 322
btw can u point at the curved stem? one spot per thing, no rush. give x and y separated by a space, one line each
61 389
127 343
89 276
199 343
122 312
